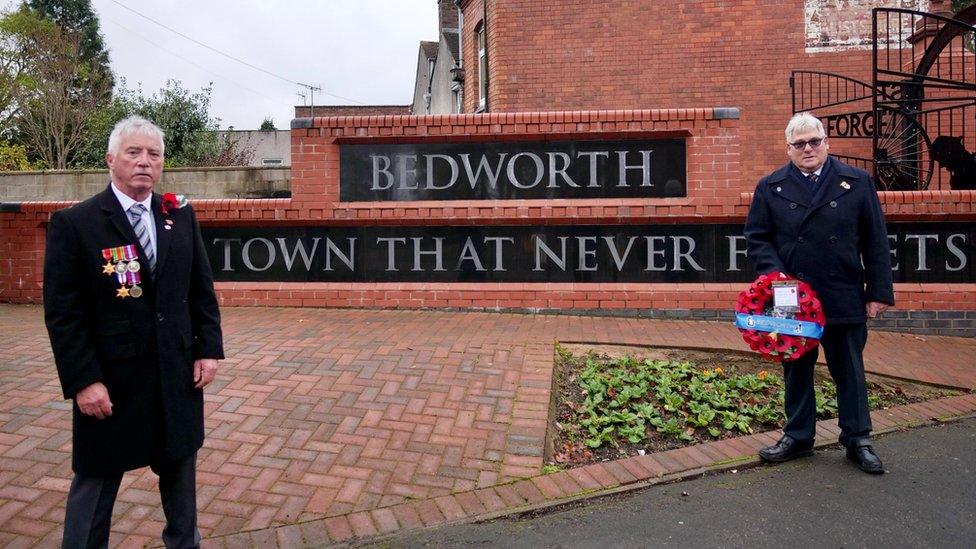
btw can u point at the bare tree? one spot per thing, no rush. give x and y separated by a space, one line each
18 29
65 93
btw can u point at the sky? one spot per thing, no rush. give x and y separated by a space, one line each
357 52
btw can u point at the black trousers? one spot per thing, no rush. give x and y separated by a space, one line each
844 349
88 516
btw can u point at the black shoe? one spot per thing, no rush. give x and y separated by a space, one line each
866 459
786 449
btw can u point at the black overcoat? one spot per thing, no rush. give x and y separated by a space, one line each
142 348
835 240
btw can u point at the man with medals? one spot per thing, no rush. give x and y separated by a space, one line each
135 329
820 221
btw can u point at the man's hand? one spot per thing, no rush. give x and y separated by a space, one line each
875 308
93 401
204 371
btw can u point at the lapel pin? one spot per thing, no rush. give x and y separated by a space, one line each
845 184
168 227
169 221
779 189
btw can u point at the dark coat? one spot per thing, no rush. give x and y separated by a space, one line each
835 240
142 348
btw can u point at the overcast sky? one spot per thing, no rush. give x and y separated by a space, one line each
357 51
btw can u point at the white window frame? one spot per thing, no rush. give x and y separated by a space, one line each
482 66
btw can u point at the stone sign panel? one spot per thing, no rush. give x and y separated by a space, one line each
921 252
648 168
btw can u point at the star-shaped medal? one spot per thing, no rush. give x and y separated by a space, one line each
123 292
108 268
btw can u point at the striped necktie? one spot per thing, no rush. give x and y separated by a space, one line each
141 228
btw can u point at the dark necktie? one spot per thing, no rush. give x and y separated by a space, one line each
812 184
141 228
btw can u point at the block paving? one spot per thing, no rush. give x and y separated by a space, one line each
326 425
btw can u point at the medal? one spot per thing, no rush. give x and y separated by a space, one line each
121 263
845 184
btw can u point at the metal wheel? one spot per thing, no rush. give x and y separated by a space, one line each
902 152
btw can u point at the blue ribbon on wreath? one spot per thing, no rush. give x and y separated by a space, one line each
784 326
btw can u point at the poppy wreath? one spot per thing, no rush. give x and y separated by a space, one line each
756 301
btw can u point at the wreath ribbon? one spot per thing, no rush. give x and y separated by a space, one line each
801 328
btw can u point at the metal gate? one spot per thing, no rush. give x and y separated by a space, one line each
914 124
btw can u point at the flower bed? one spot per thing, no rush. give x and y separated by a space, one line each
608 407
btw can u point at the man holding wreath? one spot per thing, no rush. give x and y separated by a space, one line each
820 221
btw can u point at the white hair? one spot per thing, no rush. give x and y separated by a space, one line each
134 124
801 122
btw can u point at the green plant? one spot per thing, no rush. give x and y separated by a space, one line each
826 398
13 157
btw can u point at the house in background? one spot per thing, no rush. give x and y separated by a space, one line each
438 85
271 147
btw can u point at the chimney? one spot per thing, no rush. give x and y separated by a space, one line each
448 16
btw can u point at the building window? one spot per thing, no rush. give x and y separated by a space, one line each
482 68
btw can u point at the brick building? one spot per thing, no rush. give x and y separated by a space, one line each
651 54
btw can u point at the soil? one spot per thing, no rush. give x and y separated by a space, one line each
563 452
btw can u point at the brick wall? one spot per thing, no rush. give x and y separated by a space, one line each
715 195
651 54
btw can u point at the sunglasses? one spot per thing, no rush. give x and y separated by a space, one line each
814 143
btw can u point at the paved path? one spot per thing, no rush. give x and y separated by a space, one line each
327 424
927 499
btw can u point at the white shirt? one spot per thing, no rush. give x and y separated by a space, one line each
147 216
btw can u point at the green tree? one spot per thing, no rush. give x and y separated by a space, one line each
20 32
123 103
268 125
76 18
64 92
184 116
191 134
13 157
